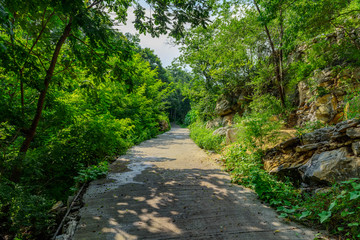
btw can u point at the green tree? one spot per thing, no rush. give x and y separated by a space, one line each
42 29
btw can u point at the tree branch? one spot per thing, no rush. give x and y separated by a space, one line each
94 4
65 68
92 50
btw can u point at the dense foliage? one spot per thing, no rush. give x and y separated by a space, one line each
75 93
254 54
264 48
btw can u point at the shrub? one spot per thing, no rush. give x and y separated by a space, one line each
352 106
191 117
339 211
24 213
205 138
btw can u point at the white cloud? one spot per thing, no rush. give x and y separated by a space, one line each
161 46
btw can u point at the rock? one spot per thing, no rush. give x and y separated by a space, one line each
356 148
69 201
289 143
231 135
342 126
326 108
57 206
319 135
304 93
309 147
228 119
353 132
221 131
329 167
217 122
336 135
69 231
335 145
223 107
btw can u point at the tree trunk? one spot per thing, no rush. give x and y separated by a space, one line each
277 58
16 173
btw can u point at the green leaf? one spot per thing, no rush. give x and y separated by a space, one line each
305 214
332 205
354 195
356 186
345 213
324 215
354 224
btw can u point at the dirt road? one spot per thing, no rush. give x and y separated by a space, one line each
172 190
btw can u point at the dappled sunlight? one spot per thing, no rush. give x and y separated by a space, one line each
179 199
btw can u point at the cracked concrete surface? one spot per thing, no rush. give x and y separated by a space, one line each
172 190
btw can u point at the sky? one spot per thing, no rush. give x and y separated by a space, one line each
161 46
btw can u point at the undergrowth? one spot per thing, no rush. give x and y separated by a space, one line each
336 209
205 138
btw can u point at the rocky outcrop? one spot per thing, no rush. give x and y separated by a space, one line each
321 96
330 166
325 103
226 108
223 107
324 156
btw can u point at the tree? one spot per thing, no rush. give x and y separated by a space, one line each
41 29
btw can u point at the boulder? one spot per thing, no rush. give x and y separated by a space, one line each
57 206
329 167
319 135
221 131
228 119
223 107
326 108
304 93
342 126
289 143
353 132
231 135
217 122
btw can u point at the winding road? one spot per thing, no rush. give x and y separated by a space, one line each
168 188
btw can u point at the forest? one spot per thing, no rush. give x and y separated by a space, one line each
75 94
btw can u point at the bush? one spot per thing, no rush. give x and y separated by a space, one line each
24 213
339 211
191 117
255 130
205 138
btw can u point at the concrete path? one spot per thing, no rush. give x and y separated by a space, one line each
168 188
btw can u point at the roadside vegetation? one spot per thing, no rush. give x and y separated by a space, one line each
254 55
75 94
336 209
